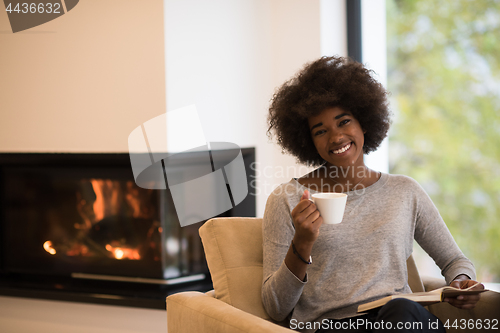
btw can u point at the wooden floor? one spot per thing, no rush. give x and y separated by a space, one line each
23 315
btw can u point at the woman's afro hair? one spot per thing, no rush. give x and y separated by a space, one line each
325 83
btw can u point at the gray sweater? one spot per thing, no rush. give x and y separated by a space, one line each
359 260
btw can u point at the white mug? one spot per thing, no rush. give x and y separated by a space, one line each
331 206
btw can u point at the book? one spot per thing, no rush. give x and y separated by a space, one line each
424 298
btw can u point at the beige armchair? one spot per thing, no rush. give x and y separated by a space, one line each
233 248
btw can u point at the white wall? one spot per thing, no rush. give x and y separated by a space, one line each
333 27
77 84
375 58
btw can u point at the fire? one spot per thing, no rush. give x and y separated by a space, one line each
118 253
112 198
123 252
107 198
104 204
47 246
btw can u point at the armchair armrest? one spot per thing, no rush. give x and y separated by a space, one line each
432 283
194 311
488 307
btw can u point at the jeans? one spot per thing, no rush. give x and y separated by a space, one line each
398 315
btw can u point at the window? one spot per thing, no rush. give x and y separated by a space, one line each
444 76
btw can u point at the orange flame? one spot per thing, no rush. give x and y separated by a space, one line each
47 246
107 198
123 252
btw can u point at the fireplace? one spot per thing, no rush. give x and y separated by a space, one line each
77 227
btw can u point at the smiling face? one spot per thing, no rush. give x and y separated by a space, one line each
338 137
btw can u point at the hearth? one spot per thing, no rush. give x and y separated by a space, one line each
77 227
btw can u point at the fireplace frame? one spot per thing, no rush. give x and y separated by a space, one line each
145 293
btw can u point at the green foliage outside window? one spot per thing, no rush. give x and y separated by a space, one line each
444 76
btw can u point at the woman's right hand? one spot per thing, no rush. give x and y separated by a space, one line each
307 220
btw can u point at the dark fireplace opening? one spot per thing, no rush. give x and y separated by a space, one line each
77 227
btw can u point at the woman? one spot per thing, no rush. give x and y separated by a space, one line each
329 115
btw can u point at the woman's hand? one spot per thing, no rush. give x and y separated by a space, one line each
307 220
464 301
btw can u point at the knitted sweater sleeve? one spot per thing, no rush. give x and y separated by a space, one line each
281 289
433 236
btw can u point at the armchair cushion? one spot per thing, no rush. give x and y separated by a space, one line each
233 249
